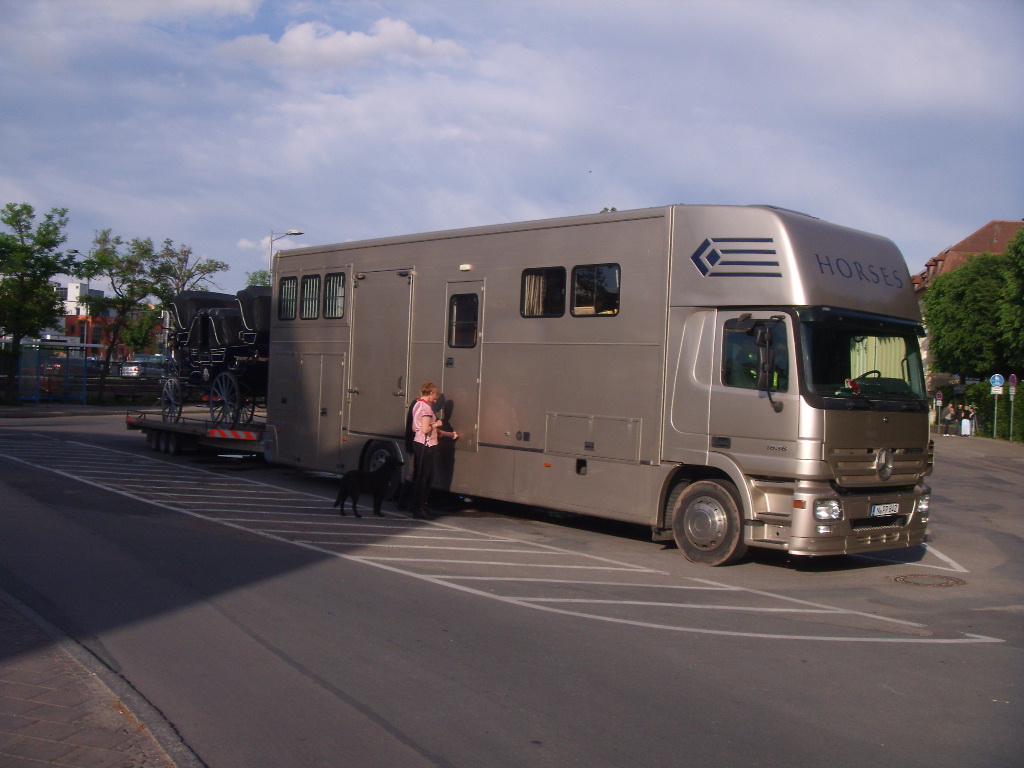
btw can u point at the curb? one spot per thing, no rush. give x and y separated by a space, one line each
136 707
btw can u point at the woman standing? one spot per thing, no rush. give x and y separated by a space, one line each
426 429
966 421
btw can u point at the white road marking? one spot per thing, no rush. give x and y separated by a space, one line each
954 566
194 496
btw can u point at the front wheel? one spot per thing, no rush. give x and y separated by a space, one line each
706 522
170 400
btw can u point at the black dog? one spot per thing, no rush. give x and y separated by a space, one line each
376 482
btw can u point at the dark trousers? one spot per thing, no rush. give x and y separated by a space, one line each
422 476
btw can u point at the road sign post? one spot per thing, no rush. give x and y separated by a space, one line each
997 389
1013 391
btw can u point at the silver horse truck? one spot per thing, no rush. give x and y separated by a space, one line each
732 377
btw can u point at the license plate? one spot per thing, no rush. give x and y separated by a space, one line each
880 510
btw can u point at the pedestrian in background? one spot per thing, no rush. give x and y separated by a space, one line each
966 421
948 414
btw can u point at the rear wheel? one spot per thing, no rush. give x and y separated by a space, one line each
225 400
374 457
247 409
706 522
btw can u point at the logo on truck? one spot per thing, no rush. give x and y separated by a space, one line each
737 257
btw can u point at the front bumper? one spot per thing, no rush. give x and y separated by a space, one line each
859 531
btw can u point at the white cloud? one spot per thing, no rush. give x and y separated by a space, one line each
316 46
216 122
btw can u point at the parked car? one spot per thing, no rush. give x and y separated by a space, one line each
143 367
73 367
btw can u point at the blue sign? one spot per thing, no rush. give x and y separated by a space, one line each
737 257
996 380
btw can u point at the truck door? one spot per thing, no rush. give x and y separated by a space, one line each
323 375
309 396
460 381
379 367
754 394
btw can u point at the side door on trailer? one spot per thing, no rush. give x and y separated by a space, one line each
379 365
460 380
305 398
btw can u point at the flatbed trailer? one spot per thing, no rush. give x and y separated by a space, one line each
190 432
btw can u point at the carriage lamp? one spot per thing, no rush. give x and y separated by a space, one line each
828 509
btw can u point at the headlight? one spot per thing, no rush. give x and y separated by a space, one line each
828 509
924 503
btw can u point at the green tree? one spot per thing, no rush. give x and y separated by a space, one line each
259 277
1011 315
129 268
30 257
139 330
962 310
176 270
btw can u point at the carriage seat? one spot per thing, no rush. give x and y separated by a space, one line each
185 306
254 303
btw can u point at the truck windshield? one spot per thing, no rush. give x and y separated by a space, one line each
856 361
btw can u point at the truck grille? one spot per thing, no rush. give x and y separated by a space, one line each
855 467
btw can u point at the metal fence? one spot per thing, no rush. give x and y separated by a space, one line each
55 373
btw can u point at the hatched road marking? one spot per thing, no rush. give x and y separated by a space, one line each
513 571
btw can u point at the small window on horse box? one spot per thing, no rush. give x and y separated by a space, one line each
334 295
310 297
463 319
595 290
286 298
543 292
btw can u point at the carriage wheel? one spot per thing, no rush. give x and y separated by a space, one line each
225 400
246 409
170 400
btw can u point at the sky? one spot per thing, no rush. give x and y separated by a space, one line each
216 122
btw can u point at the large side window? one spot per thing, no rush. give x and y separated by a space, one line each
334 295
543 292
286 298
463 319
310 297
595 290
741 356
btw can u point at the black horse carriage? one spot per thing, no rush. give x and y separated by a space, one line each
219 346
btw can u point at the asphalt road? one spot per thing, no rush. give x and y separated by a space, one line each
270 632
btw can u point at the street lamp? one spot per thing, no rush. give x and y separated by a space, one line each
275 237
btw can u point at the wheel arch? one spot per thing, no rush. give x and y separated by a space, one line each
370 447
684 474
